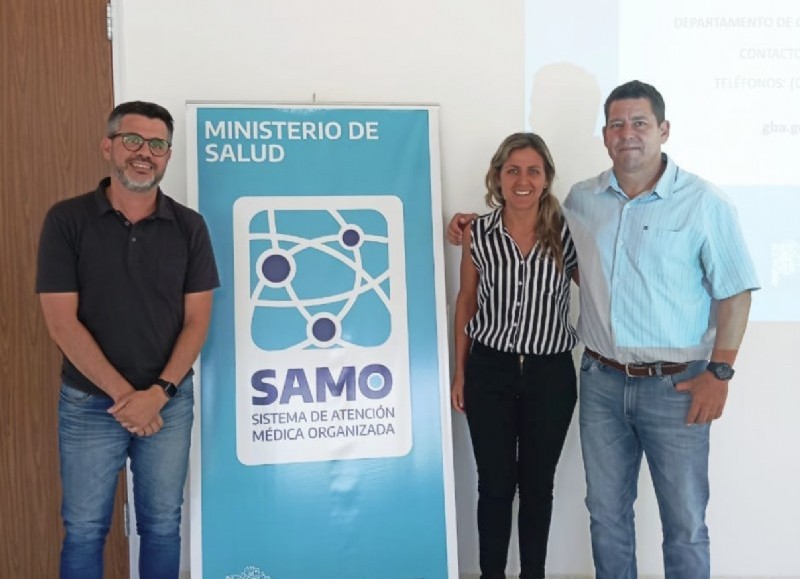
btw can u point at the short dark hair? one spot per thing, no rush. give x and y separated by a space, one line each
143 108
637 89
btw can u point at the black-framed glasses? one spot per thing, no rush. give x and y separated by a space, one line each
134 141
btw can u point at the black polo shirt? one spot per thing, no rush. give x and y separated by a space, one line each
130 278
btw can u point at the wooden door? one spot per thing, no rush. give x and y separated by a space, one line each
55 90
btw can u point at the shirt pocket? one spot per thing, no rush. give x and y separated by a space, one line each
670 254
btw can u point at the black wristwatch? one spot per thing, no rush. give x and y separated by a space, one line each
720 370
169 388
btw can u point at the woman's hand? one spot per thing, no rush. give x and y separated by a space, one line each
457 394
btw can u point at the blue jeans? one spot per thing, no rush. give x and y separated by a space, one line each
518 411
620 418
93 447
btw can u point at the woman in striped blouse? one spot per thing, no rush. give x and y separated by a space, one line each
514 374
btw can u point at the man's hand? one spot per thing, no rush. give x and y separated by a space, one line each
456 226
708 397
138 411
152 428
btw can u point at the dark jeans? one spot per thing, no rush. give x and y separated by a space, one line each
518 409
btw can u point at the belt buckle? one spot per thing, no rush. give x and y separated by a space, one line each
651 371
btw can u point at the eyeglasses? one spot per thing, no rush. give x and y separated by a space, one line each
134 141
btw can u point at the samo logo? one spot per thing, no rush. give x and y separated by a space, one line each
322 362
320 276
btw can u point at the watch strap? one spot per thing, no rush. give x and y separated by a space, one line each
170 389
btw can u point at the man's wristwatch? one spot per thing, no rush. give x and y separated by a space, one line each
169 388
720 370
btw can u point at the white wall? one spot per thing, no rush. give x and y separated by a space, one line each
467 56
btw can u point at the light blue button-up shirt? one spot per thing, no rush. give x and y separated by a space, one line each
652 267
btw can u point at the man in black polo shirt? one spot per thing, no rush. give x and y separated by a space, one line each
125 279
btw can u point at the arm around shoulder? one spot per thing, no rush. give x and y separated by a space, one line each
456 226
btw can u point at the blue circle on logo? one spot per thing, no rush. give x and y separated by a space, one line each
324 329
276 268
351 238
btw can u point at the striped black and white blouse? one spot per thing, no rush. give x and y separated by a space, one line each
523 302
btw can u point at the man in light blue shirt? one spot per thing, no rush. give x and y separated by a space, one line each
665 287
665 283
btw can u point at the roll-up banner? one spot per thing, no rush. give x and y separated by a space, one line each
323 441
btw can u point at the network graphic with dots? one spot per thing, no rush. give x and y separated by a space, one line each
319 279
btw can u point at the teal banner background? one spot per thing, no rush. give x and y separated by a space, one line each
368 518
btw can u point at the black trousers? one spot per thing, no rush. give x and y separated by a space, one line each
518 409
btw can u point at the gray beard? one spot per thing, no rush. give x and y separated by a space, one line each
137 186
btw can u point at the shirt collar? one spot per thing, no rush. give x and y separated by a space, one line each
163 209
496 221
666 184
664 187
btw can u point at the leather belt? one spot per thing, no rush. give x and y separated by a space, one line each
640 370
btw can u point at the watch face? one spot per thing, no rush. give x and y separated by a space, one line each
721 370
169 388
